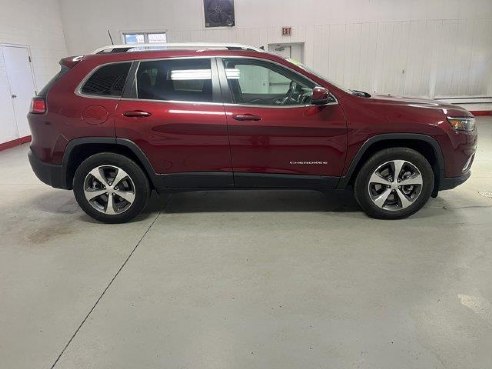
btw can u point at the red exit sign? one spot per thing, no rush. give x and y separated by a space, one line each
286 31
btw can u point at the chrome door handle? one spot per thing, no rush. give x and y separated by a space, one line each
245 117
137 114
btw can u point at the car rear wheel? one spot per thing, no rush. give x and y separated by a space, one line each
394 183
111 188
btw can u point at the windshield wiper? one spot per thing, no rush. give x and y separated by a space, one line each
360 93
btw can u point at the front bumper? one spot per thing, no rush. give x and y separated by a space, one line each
447 183
51 174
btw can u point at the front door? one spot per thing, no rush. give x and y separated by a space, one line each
277 137
177 120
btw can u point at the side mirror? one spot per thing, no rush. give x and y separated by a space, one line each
321 96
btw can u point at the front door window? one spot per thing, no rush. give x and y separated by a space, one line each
257 82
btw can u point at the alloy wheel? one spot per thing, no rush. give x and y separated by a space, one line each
395 185
109 189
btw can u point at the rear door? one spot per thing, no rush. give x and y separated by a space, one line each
278 139
174 114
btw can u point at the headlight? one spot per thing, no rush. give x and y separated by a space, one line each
462 124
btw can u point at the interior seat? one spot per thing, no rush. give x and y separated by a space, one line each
144 85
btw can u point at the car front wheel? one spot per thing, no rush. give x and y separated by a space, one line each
394 183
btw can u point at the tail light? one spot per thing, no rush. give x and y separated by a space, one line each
38 105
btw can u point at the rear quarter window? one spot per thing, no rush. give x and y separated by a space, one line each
108 80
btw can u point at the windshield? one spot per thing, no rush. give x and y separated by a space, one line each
307 69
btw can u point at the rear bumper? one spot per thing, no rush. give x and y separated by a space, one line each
53 175
448 183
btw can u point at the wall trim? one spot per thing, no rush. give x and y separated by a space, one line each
481 113
14 143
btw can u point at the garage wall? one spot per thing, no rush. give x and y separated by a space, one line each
418 47
38 25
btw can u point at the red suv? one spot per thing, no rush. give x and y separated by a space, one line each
124 120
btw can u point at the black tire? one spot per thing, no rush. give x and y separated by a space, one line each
393 207
135 183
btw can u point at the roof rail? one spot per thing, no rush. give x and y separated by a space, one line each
166 46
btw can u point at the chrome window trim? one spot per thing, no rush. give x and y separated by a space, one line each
280 106
78 90
220 103
172 101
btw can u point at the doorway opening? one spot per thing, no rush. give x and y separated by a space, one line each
293 51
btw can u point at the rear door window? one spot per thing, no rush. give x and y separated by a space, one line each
109 80
176 80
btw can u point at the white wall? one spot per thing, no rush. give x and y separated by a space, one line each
36 24
411 47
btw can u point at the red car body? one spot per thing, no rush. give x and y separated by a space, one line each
186 145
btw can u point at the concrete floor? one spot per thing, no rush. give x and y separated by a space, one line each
245 280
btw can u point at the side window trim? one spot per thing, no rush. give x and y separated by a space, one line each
225 90
216 91
227 94
130 91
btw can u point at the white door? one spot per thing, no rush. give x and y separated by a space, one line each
8 127
21 83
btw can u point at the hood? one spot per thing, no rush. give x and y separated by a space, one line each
420 103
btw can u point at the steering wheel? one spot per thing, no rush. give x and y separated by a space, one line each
290 96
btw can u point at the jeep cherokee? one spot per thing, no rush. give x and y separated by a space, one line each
127 119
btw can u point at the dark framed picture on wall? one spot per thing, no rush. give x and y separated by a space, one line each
219 13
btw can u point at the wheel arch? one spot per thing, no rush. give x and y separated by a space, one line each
424 144
80 149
